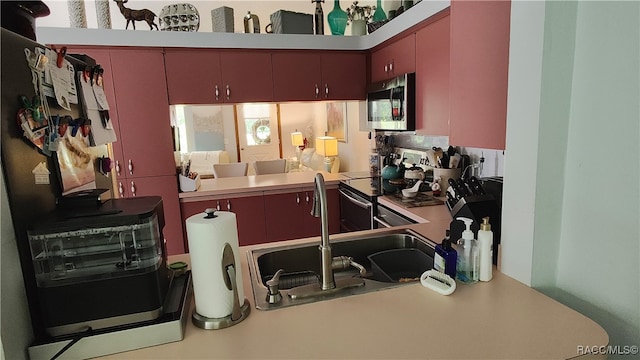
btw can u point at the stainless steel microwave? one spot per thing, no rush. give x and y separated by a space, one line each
391 104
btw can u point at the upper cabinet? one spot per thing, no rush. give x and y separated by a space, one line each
432 78
206 76
396 58
479 73
329 75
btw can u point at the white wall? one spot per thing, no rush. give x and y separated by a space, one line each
572 229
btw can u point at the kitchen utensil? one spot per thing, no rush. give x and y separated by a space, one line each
438 282
391 170
445 175
413 191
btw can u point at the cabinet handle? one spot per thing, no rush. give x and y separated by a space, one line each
218 205
228 92
130 167
120 189
306 197
391 67
386 68
217 92
297 199
228 205
118 167
317 91
133 188
326 90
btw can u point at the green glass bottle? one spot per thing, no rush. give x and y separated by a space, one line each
337 19
379 14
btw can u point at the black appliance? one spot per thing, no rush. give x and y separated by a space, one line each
391 104
101 269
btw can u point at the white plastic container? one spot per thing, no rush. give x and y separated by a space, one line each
485 244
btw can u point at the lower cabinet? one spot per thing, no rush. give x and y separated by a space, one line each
288 214
249 210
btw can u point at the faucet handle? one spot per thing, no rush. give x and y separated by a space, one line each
273 287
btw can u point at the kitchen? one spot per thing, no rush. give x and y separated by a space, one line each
550 265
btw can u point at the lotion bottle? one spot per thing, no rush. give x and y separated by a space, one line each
485 244
467 267
446 257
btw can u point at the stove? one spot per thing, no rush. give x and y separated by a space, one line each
421 199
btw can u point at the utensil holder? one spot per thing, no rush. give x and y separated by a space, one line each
188 184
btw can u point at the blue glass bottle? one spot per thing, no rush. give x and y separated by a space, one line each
337 19
446 257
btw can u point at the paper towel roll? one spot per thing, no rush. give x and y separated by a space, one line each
207 238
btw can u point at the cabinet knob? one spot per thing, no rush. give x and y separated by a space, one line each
133 188
386 68
130 167
218 205
391 67
217 93
118 167
297 199
317 91
228 92
326 90
120 189
306 197
228 205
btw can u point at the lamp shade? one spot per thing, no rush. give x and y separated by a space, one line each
327 146
297 139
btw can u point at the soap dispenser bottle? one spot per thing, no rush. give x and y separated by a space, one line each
485 246
446 257
468 265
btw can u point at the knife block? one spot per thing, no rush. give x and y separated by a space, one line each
476 207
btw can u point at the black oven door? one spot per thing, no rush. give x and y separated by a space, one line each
356 211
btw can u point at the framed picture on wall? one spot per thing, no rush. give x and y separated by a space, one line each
337 120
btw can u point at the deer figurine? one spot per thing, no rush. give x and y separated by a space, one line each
136 15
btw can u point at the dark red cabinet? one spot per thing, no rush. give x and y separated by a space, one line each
210 76
432 78
394 59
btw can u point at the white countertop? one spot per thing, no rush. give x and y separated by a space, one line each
112 37
498 319
210 188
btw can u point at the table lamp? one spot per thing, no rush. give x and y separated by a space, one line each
327 146
297 140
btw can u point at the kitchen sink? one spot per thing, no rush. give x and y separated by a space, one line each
301 267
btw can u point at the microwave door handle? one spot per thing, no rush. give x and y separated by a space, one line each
362 204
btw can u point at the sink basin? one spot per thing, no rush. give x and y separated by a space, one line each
301 265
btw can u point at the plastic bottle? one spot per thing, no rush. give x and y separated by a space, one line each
468 265
485 245
446 257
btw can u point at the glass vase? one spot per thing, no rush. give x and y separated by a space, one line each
337 19
379 14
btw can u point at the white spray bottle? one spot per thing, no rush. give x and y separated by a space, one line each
468 264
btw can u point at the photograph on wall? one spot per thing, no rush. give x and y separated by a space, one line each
337 120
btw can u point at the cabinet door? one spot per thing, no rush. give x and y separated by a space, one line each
311 224
397 58
145 138
283 216
167 188
344 76
296 76
193 76
249 212
246 76
432 78
479 73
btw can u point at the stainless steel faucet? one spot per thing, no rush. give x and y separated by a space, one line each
319 209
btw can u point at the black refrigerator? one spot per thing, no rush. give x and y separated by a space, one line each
29 201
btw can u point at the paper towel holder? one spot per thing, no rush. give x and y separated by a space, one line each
239 312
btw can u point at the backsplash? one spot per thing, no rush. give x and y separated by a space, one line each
493 164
